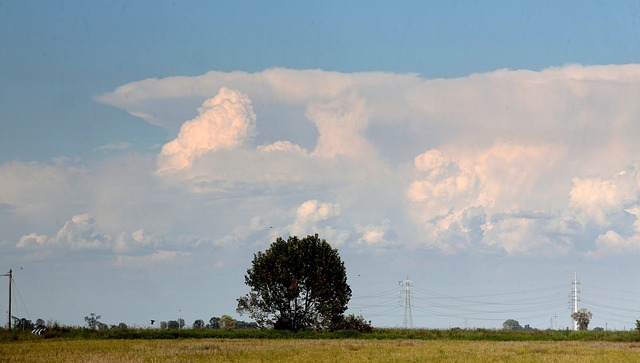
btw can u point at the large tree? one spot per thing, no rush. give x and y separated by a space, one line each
296 284
511 324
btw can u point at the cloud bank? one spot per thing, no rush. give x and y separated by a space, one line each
513 161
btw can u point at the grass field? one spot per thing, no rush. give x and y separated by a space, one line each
314 350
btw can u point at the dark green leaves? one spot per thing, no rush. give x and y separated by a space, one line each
296 284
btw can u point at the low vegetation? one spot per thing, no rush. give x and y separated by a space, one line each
62 332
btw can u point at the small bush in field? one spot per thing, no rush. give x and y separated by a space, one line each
352 322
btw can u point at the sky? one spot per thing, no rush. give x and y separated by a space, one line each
487 152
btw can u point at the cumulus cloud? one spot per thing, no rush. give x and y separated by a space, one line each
456 230
597 199
80 232
32 239
612 243
340 123
77 233
126 243
283 146
441 183
516 161
310 213
373 235
526 234
223 122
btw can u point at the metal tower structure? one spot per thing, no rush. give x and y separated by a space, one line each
10 274
574 298
406 291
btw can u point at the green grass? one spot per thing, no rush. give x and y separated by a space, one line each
377 334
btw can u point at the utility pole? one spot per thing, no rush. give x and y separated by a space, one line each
408 319
574 298
10 274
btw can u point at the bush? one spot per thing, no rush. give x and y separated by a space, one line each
354 323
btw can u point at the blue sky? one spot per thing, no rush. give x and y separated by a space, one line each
487 151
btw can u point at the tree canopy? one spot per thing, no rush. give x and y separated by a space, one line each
583 317
296 284
511 324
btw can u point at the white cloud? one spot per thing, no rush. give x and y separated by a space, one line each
310 213
374 235
77 233
283 146
612 243
32 238
456 230
598 200
514 161
126 243
442 184
526 234
224 121
340 123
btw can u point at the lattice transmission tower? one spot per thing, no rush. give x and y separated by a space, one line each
574 298
406 291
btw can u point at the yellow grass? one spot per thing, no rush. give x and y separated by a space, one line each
342 350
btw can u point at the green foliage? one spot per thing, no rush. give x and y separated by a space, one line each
638 326
214 323
227 322
583 317
511 324
353 323
296 284
93 322
456 334
199 324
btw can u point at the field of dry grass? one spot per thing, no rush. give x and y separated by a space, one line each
303 350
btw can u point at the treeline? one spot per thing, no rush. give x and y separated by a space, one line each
222 322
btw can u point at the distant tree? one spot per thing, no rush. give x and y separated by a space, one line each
227 322
22 323
181 324
93 322
511 324
214 323
122 326
53 324
246 325
163 325
296 284
173 324
40 324
353 322
582 317
638 326
198 324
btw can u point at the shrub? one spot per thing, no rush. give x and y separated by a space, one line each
354 323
